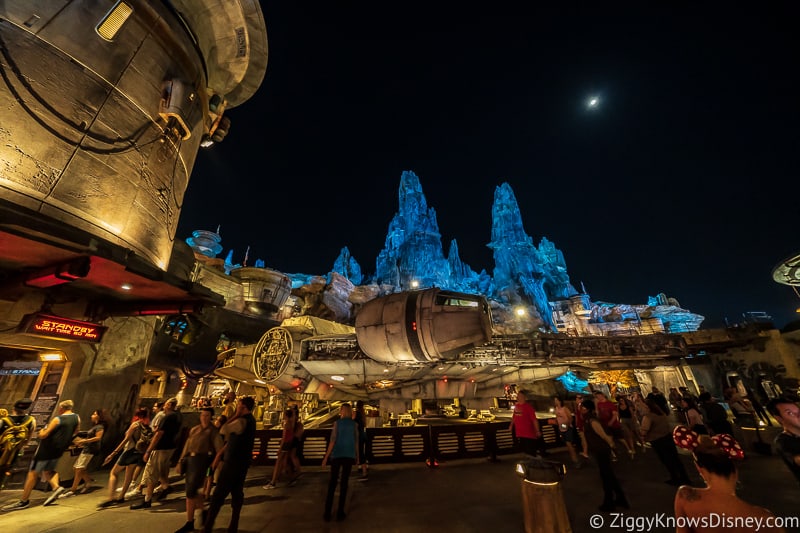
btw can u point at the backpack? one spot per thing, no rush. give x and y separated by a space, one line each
13 437
145 436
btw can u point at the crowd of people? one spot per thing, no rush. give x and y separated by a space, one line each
213 456
597 427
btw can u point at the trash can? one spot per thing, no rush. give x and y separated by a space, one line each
544 510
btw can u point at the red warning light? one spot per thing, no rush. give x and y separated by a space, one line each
414 326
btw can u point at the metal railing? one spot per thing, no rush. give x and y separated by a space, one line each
410 444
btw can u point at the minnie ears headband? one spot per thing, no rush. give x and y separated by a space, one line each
690 440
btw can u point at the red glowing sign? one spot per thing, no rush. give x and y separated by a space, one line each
62 328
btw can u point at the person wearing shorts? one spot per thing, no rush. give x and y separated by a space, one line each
90 446
129 459
201 446
159 455
287 444
54 439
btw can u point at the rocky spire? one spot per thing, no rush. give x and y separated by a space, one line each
522 270
348 267
412 254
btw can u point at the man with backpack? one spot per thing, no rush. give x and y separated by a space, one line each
15 432
158 455
54 439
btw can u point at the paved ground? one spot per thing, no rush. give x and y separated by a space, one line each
459 496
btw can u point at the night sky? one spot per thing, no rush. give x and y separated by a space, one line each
683 180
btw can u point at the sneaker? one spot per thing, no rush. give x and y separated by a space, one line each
16 506
67 494
269 486
163 494
106 504
187 527
132 493
56 493
144 504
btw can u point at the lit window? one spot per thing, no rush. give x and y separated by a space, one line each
113 21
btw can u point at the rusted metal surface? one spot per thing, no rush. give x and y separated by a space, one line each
101 135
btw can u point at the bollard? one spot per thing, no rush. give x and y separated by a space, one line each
544 510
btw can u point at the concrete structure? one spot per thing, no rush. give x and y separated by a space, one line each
105 107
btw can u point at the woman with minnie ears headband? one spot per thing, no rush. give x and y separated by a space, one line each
716 460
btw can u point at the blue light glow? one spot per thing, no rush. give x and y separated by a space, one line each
573 383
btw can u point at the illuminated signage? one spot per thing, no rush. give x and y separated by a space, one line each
19 371
62 328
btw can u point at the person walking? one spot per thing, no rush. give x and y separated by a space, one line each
90 446
584 448
199 451
692 415
229 404
343 453
296 455
627 419
715 415
285 448
566 429
656 429
159 454
15 432
660 399
129 459
239 433
360 416
525 426
600 447
54 439
608 414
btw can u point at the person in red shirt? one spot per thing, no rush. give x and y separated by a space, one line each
525 426
608 415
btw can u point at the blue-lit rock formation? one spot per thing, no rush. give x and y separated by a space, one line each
529 288
348 267
412 255
524 273
463 278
